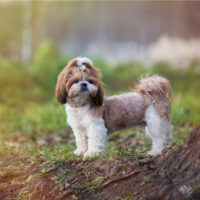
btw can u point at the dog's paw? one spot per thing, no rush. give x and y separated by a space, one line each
154 153
79 152
92 154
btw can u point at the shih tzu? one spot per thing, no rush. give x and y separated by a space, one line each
92 116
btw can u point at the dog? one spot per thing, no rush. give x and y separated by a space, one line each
92 115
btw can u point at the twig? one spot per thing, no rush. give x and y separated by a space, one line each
108 182
99 173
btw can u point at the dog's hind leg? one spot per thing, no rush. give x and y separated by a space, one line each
158 129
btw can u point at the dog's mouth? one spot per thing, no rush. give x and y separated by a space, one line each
84 90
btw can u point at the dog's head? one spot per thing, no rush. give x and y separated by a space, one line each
80 83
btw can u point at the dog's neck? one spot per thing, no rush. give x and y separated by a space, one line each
76 102
77 112
95 111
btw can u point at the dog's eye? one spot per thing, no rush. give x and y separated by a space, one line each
75 81
91 81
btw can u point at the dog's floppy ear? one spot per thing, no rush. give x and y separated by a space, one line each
97 100
61 92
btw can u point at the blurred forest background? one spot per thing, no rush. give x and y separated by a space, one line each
39 37
124 39
116 31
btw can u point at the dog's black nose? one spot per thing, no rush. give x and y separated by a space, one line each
84 85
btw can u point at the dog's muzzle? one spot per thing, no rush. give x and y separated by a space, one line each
84 87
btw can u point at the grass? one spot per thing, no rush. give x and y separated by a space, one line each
33 124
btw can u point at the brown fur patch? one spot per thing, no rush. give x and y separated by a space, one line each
155 87
163 109
159 92
124 111
73 73
96 111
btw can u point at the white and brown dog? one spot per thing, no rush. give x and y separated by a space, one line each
92 116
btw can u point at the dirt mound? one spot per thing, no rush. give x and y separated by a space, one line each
179 171
174 175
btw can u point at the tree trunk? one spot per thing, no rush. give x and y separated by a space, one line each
26 48
179 171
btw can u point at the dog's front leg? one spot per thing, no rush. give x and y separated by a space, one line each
81 141
97 133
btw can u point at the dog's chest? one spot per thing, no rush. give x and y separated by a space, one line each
78 117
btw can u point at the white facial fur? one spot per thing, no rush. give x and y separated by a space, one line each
80 97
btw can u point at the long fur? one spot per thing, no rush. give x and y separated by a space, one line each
155 87
66 78
92 115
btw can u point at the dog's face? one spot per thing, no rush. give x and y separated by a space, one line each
80 84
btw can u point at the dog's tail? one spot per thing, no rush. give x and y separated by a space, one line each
155 87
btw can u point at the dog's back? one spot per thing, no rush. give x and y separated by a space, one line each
124 111
149 105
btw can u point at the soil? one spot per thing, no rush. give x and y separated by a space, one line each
174 175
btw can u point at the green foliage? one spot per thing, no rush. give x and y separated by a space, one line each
46 66
13 81
37 81
33 121
30 114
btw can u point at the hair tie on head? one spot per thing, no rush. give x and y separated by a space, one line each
81 65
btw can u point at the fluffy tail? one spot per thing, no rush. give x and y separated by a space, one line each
155 87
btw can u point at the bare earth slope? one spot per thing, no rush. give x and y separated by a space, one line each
173 176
